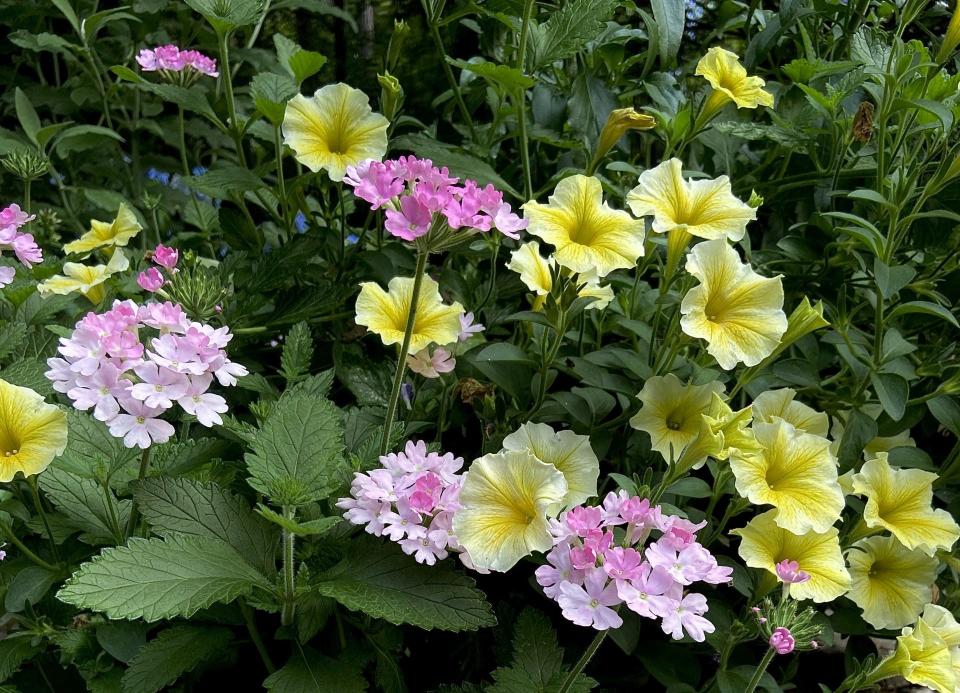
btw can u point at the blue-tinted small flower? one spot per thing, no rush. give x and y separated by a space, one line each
300 222
198 170
162 177
406 394
352 239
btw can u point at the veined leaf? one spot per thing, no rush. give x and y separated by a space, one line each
90 506
297 353
311 671
569 30
270 93
171 654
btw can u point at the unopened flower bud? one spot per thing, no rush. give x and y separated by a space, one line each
755 199
391 95
400 32
782 641
619 122
25 164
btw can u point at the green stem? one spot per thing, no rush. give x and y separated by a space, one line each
289 582
185 164
27 552
404 347
32 482
583 661
520 100
248 618
233 125
141 475
438 42
761 668
281 183
26 195
343 228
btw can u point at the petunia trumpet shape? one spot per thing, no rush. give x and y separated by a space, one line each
32 432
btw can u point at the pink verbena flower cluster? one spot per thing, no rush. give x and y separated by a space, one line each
171 59
590 572
414 191
410 499
12 218
152 279
133 363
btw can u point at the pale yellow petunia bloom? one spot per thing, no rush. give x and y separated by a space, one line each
535 273
738 312
706 208
586 232
943 622
385 313
889 582
334 129
922 657
32 432
672 412
795 472
506 499
764 544
782 404
567 451
901 501
730 81
107 234
734 426
85 279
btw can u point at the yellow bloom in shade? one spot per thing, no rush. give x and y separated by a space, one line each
764 544
901 501
535 272
795 472
733 426
505 501
737 311
889 582
32 432
103 234
729 79
385 313
922 657
705 208
86 279
567 451
334 129
804 319
781 404
672 412
943 622
586 232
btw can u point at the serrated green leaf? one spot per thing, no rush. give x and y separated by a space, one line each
227 15
41 42
510 79
321 525
270 93
89 506
317 385
189 507
384 583
14 651
304 64
312 671
171 654
298 455
28 373
297 353
225 181
91 451
154 579
12 337
569 29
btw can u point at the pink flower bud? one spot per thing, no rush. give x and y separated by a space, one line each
166 257
782 641
151 280
789 572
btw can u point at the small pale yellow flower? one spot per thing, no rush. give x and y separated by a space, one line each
586 232
764 544
385 313
922 657
505 501
107 234
85 279
728 77
334 129
534 271
672 412
567 451
32 432
795 472
889 582
734 426
782 404
901 501
738 312
706 208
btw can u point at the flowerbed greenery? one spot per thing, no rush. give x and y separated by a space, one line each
501 346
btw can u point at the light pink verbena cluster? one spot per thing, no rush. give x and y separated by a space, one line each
590 573
411 500
414 191
133 363
170 58
152 279
12 219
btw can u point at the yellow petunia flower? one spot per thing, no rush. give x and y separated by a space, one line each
505 501
922 657
107 234
781 404
889 582
738 312
385 313
535 273
567 451
672 412
943 622
85 279
804 319
586 232
706 208
764 544
734 426
334 129
795 472
32 432
901 501
730 82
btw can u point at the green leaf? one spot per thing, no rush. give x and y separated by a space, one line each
227 15
122 639
297 353
89 506
311 671
569 29
12 337
28 587
947 412
67 10
190 507
858 430
384 583
81 137
671 18
891 279
321 525
926 308
506 365
27 115
305 64
225 181
171 654
590 105
509 79
298 455
92 24
155 579
28 373
270 93
893 391
41 42
14 651
91 451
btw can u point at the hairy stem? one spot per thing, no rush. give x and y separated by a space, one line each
141 475
583 661
289 581
761 668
